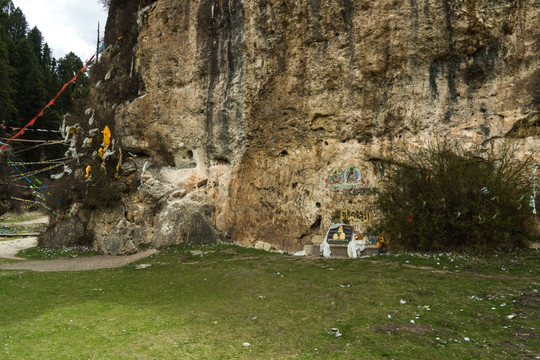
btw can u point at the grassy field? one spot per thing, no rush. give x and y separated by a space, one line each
230 302
20 217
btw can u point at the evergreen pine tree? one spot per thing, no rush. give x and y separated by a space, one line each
68 66
36 42
31 95
16 24
7 108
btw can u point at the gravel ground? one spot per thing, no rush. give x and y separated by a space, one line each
10 248
78 263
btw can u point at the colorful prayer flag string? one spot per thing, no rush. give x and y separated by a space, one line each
31 187
19 177
52 161
18 128
36 146
23 176
20 132
33 141
31 202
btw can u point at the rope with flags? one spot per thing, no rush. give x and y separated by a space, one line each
31 202
52 161
20 132
23 176
19 177
36 146
18 128
34 141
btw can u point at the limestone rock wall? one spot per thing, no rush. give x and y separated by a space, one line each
273 112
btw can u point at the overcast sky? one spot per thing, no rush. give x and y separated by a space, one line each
66 25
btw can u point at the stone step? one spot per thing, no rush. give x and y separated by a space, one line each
339 251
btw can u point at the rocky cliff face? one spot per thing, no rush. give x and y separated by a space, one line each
270 115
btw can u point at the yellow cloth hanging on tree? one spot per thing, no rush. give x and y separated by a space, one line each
88 169
106 142
73 130
117 175
101 152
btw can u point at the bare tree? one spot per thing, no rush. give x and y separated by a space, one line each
105 3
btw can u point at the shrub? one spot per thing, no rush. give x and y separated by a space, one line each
102 190
446 199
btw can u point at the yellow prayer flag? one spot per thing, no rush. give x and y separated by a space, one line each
117 175
106 136
101 152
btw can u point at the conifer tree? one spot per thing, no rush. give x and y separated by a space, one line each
68 66
29 82
7 108
16 25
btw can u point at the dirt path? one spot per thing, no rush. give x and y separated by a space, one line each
79 263
41 220
10 248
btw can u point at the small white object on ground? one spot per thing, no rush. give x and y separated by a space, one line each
246 344
142 266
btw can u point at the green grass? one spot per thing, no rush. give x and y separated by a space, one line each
20 217
39 253
205 306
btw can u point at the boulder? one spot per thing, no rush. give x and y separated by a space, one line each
69 231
